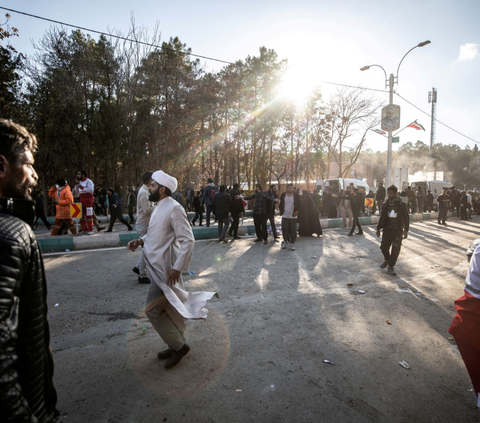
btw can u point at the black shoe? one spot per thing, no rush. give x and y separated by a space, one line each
165 355
144 280
359 233
136 270
350 234
230 233
265 242
225 241
177 356
200 225
130 229
101 228
384 264
258 240
276 237
391 272
108 231
236 237
221 239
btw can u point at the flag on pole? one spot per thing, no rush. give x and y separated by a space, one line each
379 131
416 125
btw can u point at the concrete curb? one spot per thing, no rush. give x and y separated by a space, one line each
86 242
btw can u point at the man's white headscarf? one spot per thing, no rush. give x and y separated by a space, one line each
161 178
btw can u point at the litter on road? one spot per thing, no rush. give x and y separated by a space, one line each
328 362
404 364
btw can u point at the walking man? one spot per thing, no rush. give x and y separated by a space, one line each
260 212
85 188
207 198
420 199
221 208
395 222
290 204
189 194
443 204
380 196
40 210
429 204
411 199
27 393
63 195
144 211
356 203
131 203
116 210
198 209
168 248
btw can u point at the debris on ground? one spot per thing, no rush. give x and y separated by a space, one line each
389 322
328 362
404 364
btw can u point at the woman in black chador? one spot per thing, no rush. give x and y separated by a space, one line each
308 221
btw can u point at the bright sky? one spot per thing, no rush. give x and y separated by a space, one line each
323 41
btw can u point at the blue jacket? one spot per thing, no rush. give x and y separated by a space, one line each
115 201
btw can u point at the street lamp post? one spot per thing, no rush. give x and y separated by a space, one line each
390 82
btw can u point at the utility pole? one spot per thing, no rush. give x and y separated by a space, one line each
391 81
432 98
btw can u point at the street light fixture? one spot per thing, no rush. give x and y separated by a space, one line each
390 82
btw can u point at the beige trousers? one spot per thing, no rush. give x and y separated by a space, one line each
166 320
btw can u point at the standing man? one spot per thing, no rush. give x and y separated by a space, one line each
356 204
198 208
63 196
168 248
116 210
207 198
270 208
260 212
469 204
411 199
420 199
443 204
429 204
85 188
290 204
380 196
329 202
189 194
395 222
27 393
144 211
236 209
131 203
221 208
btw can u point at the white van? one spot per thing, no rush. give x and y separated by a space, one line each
338 184
319 185
435 187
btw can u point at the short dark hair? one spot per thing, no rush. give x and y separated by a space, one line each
393 188
289 185
15 140
198 192
83 173
61 182
258 186
235 186
167 191
209 180
147 176
223 188
111 189
272 186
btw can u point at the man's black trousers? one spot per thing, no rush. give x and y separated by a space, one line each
442 215
356 223
391 238
260 221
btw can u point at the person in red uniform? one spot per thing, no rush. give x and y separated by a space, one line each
85 188
465 327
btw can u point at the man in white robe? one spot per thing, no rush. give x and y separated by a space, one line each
168 248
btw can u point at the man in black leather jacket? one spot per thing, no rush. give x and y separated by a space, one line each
27 393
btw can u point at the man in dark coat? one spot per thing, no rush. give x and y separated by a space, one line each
356 202
221 208
395 222
236 209
443 205
207 198
27 393
429 203
271 210
131 203
116 210
198 208
329 203
380 196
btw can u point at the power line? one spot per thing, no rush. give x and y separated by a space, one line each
436 120
114 36
353 86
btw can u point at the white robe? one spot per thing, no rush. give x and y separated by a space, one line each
169 244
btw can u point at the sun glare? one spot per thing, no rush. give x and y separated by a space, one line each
296 85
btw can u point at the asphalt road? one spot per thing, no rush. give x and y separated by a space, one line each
259 355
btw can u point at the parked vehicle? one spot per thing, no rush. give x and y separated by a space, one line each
319 185
338 184
436 188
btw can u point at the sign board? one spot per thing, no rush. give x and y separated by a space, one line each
369 202
395 139
76 210
391 117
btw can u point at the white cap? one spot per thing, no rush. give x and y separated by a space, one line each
161 178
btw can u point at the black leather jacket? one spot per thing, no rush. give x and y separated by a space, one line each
27 394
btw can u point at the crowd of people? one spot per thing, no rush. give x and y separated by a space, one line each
27 392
